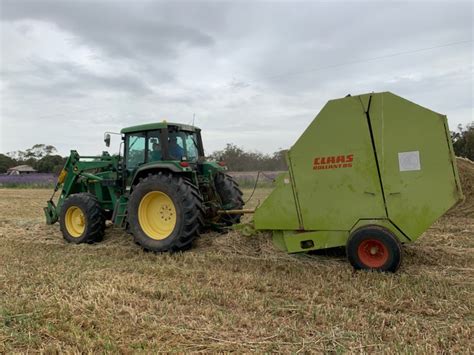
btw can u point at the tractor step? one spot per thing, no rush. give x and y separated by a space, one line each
50 212
120 212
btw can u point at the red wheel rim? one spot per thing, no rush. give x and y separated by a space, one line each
372 253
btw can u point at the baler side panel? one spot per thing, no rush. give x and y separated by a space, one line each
334 169
415 162
278 210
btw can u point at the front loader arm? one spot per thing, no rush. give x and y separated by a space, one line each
76 177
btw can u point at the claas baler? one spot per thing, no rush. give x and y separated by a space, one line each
370 173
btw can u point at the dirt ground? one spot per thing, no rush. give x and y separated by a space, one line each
229 293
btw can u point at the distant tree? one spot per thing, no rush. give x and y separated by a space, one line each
6 163
32 155
232 155
279 159
50 164
17 155
39 151
463 141
237 159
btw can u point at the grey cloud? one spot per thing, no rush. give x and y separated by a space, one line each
321 35
238 84
118 29
68 79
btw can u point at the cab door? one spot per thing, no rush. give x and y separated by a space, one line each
135 149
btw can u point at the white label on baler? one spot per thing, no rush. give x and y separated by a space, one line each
409 161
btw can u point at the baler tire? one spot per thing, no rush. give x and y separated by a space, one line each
188 213
231 195
87 208
374 248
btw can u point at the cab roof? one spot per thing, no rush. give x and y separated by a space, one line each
158 125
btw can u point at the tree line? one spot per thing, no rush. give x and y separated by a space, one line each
237 159
463 141
44 158
41 157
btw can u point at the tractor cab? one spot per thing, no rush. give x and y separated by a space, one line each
162 145
161 142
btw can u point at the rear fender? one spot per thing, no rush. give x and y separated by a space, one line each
156 168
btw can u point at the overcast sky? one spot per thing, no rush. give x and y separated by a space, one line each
255 74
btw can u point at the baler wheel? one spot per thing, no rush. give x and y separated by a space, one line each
374 248
231 197
82 219
165 213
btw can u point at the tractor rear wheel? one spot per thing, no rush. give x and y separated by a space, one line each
165 213
374 248
82 219
231 197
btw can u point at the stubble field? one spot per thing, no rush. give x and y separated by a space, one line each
229 293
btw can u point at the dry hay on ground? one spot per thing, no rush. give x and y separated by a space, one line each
466 176
229 293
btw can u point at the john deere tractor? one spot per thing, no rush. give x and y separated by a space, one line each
161 189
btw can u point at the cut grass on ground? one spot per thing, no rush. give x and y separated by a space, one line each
228 293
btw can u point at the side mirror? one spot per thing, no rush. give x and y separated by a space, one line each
107 140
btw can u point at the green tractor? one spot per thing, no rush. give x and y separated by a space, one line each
162 190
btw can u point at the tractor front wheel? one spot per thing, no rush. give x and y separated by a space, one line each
165 213
374 248
82 219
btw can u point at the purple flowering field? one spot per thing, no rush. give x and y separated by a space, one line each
44 180
39 180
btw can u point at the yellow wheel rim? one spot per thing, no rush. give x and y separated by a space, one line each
75 221
157 215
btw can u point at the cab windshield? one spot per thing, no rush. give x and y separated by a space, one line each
145 147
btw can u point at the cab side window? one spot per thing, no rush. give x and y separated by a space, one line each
154 146
135 150
191 147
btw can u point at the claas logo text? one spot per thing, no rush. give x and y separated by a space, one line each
333 162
